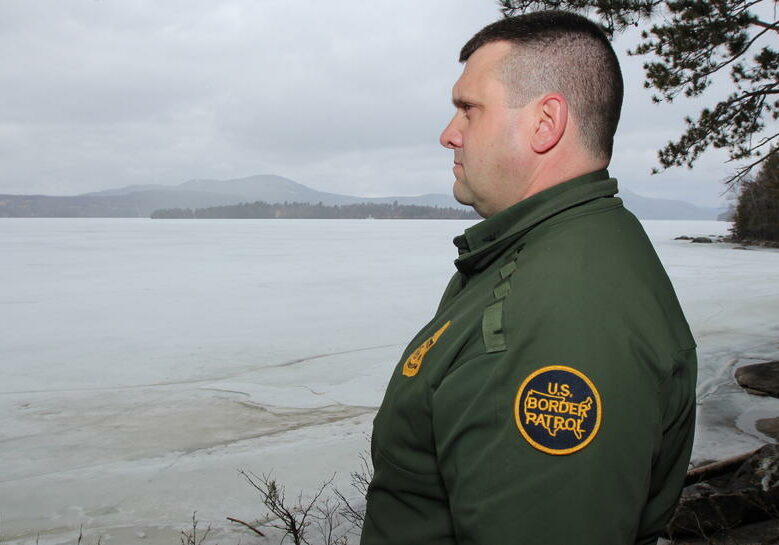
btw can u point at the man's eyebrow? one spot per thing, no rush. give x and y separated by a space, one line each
462 102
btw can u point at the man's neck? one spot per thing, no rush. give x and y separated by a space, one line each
559 168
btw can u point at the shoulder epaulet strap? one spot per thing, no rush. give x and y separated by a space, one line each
492 318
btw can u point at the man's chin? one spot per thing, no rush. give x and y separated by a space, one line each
462 201
457 193
466 199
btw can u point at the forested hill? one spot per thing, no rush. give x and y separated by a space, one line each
295 210
141 200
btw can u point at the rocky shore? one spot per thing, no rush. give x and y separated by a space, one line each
741 244
735 501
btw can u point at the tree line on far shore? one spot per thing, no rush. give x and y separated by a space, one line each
297 210
757 212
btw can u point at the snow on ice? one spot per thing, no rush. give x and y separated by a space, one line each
145 362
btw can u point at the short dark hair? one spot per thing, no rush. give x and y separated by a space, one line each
558 51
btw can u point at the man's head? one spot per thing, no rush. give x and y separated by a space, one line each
538 103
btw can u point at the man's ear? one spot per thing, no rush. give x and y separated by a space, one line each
550 123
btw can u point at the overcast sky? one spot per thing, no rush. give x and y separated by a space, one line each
344 96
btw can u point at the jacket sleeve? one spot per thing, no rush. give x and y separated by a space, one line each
531 452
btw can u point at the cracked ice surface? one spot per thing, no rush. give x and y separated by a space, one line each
144 362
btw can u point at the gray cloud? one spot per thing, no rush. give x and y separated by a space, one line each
343 96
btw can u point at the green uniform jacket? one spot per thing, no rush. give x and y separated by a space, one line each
551 399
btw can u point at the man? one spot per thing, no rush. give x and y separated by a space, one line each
551 399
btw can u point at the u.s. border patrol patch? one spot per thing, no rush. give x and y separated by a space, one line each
558 409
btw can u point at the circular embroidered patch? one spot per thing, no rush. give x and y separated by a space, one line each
558 409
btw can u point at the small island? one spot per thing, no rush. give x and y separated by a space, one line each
301 210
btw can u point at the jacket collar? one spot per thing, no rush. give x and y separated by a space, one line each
483 242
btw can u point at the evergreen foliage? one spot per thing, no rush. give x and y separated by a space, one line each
296 210
691 41
757 213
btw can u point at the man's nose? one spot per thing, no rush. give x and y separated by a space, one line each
451 137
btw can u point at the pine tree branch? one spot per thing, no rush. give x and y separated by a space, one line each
679 72
767 26
763 142
771 89
743 171
735 56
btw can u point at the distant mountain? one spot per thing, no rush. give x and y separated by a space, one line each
142 200
263 187
647 208
270 189
130 205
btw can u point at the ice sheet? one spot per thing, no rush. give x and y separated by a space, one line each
144 362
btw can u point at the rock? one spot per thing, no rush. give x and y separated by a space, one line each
755 392
760 377
745 496
683 237
705 240
768 426
760 533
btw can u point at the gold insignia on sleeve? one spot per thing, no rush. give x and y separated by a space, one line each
414 361
558 409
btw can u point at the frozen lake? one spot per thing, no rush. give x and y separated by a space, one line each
145 362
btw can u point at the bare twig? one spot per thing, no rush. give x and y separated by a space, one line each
716 468
292 518
329 522
249 526
191 537
361 479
